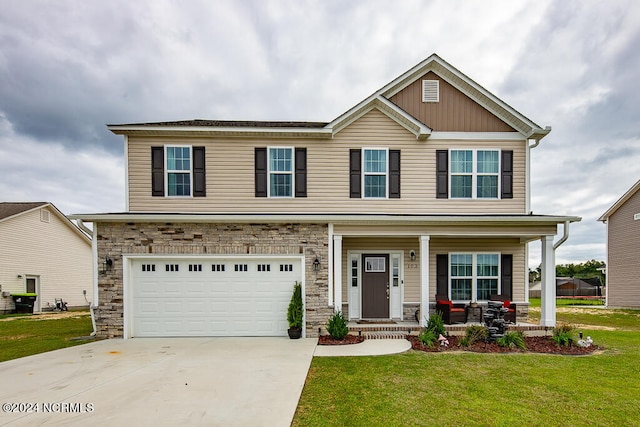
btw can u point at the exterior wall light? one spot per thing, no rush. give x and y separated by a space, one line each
107 264
316 264
412 255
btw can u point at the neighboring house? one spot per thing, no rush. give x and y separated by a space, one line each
574 287
420 189
43 252
623 250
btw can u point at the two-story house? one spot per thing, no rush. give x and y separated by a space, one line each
420 189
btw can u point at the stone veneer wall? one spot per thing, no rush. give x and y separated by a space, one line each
117 239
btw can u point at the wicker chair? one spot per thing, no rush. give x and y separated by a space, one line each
510 316
451 313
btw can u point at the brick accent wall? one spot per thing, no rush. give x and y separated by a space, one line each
117 239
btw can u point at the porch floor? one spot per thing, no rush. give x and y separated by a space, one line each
400 329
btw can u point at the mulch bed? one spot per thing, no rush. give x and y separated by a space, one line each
349 339
534 345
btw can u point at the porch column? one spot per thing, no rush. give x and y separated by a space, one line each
337 272
548 273
424 280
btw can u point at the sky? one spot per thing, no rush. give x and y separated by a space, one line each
68 68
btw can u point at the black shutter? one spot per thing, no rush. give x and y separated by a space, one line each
442 174
442 274
355 166
394 174
301 172
506 276
507 174
261 171
157 171
199 174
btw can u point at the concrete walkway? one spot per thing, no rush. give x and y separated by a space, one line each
159 381
365 348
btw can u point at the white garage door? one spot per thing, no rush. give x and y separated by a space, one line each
212 297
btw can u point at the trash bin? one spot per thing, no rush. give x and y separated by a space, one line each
24 302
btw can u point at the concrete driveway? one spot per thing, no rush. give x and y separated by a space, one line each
159 381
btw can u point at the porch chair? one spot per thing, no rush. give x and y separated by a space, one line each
509 316
451 313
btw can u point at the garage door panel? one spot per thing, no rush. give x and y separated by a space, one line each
210 302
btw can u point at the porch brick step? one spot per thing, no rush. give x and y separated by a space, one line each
384 335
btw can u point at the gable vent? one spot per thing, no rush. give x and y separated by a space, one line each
430 91
44 215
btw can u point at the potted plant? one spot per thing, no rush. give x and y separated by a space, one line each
294 312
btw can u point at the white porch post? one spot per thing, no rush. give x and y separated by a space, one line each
424 280
548 300
337 272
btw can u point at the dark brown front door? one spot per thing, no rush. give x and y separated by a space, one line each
375 286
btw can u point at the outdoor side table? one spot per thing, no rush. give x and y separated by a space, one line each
474 314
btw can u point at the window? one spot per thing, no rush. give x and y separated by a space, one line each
286 267
474 174
280 172
178 170
375 264
474 276
195 267
354 271
172 267
374 173
217 267
264 268
148 267
374 170
241 267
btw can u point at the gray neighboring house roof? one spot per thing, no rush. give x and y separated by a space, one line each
9 209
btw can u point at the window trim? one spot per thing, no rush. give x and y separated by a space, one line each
475 174
292 172
364 173
474 273
168 171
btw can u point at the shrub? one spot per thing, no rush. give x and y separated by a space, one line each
563 335
436 324
512 339
337 326
473 334
428 337
294 312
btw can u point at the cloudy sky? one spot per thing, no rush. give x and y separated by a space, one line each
69 67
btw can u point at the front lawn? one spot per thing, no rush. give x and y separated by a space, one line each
22 336
461 389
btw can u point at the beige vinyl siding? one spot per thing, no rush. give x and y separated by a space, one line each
230 174
623 264
51 250
446 230
503 246
455 112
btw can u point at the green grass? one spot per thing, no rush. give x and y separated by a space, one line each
467 389
563 302
22 336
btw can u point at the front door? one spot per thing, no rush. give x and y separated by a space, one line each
375 286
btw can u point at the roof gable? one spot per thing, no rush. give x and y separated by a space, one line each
621 201
9 210
453 112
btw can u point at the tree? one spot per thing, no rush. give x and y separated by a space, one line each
584 270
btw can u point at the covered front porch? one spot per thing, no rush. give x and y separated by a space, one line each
392 270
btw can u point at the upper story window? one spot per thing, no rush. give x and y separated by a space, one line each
474 174
280 172
178 171
374 173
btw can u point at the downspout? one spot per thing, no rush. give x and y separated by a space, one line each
564 238
94 304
